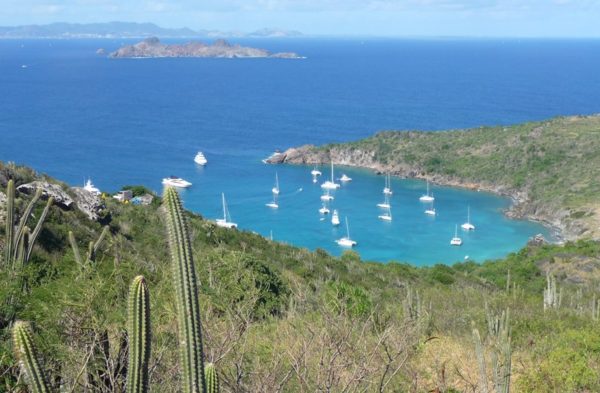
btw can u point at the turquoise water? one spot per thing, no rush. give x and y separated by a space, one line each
411 236
73 114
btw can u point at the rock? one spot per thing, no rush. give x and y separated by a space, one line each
61 198
537 240
88 203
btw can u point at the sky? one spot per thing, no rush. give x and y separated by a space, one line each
469 18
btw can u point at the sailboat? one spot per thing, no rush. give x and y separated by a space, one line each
346 241
200 159
345 178
330 184
431 210
387 216
276 188
456 241
324 209
314 178
315 172
327 197
387 190
335 218
467 226
225 222
273 204
385 204
427 197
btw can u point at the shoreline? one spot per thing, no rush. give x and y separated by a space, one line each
520 208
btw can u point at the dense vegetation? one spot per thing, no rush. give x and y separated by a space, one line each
281 318
552 166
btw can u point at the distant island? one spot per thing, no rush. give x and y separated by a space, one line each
152 47
130 30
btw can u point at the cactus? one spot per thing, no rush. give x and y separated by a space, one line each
552 297
75 248
93 247
38 227
27 355
186 290
139 336
483 381
10 211
20 242
212 378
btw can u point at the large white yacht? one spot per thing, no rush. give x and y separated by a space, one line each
175 181
90 187
200 159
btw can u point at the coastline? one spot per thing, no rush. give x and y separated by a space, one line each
521 206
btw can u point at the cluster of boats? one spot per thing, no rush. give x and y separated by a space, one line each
328 186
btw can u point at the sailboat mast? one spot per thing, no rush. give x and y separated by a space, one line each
469 214
332 172
276 181
347 229
224 208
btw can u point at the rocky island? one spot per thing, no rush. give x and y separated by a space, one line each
152 47
550 169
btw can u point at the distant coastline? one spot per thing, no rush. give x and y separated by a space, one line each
152 47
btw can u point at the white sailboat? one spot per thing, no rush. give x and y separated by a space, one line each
331 184
385 204
427 197
314 178
335 218
346 241
327 196
324 209
315 172
276 188
225 222
200 159
345 178
387 190
387 216
431 210
273 204
467 226
456 241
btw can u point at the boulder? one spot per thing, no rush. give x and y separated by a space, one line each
88 202
61 198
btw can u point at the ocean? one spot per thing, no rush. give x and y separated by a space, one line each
73 114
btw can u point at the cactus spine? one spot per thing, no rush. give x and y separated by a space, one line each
186 290
27 355
138 331
212 378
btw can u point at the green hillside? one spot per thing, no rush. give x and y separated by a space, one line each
551 168
278 318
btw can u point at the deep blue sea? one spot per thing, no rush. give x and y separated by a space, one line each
73 114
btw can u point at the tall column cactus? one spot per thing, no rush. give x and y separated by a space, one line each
10 218
212 378
186 291
28 357
139 334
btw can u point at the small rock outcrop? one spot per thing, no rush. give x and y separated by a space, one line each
61 198
88 202
2 207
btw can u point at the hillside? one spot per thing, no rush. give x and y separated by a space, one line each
278 318
550 168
